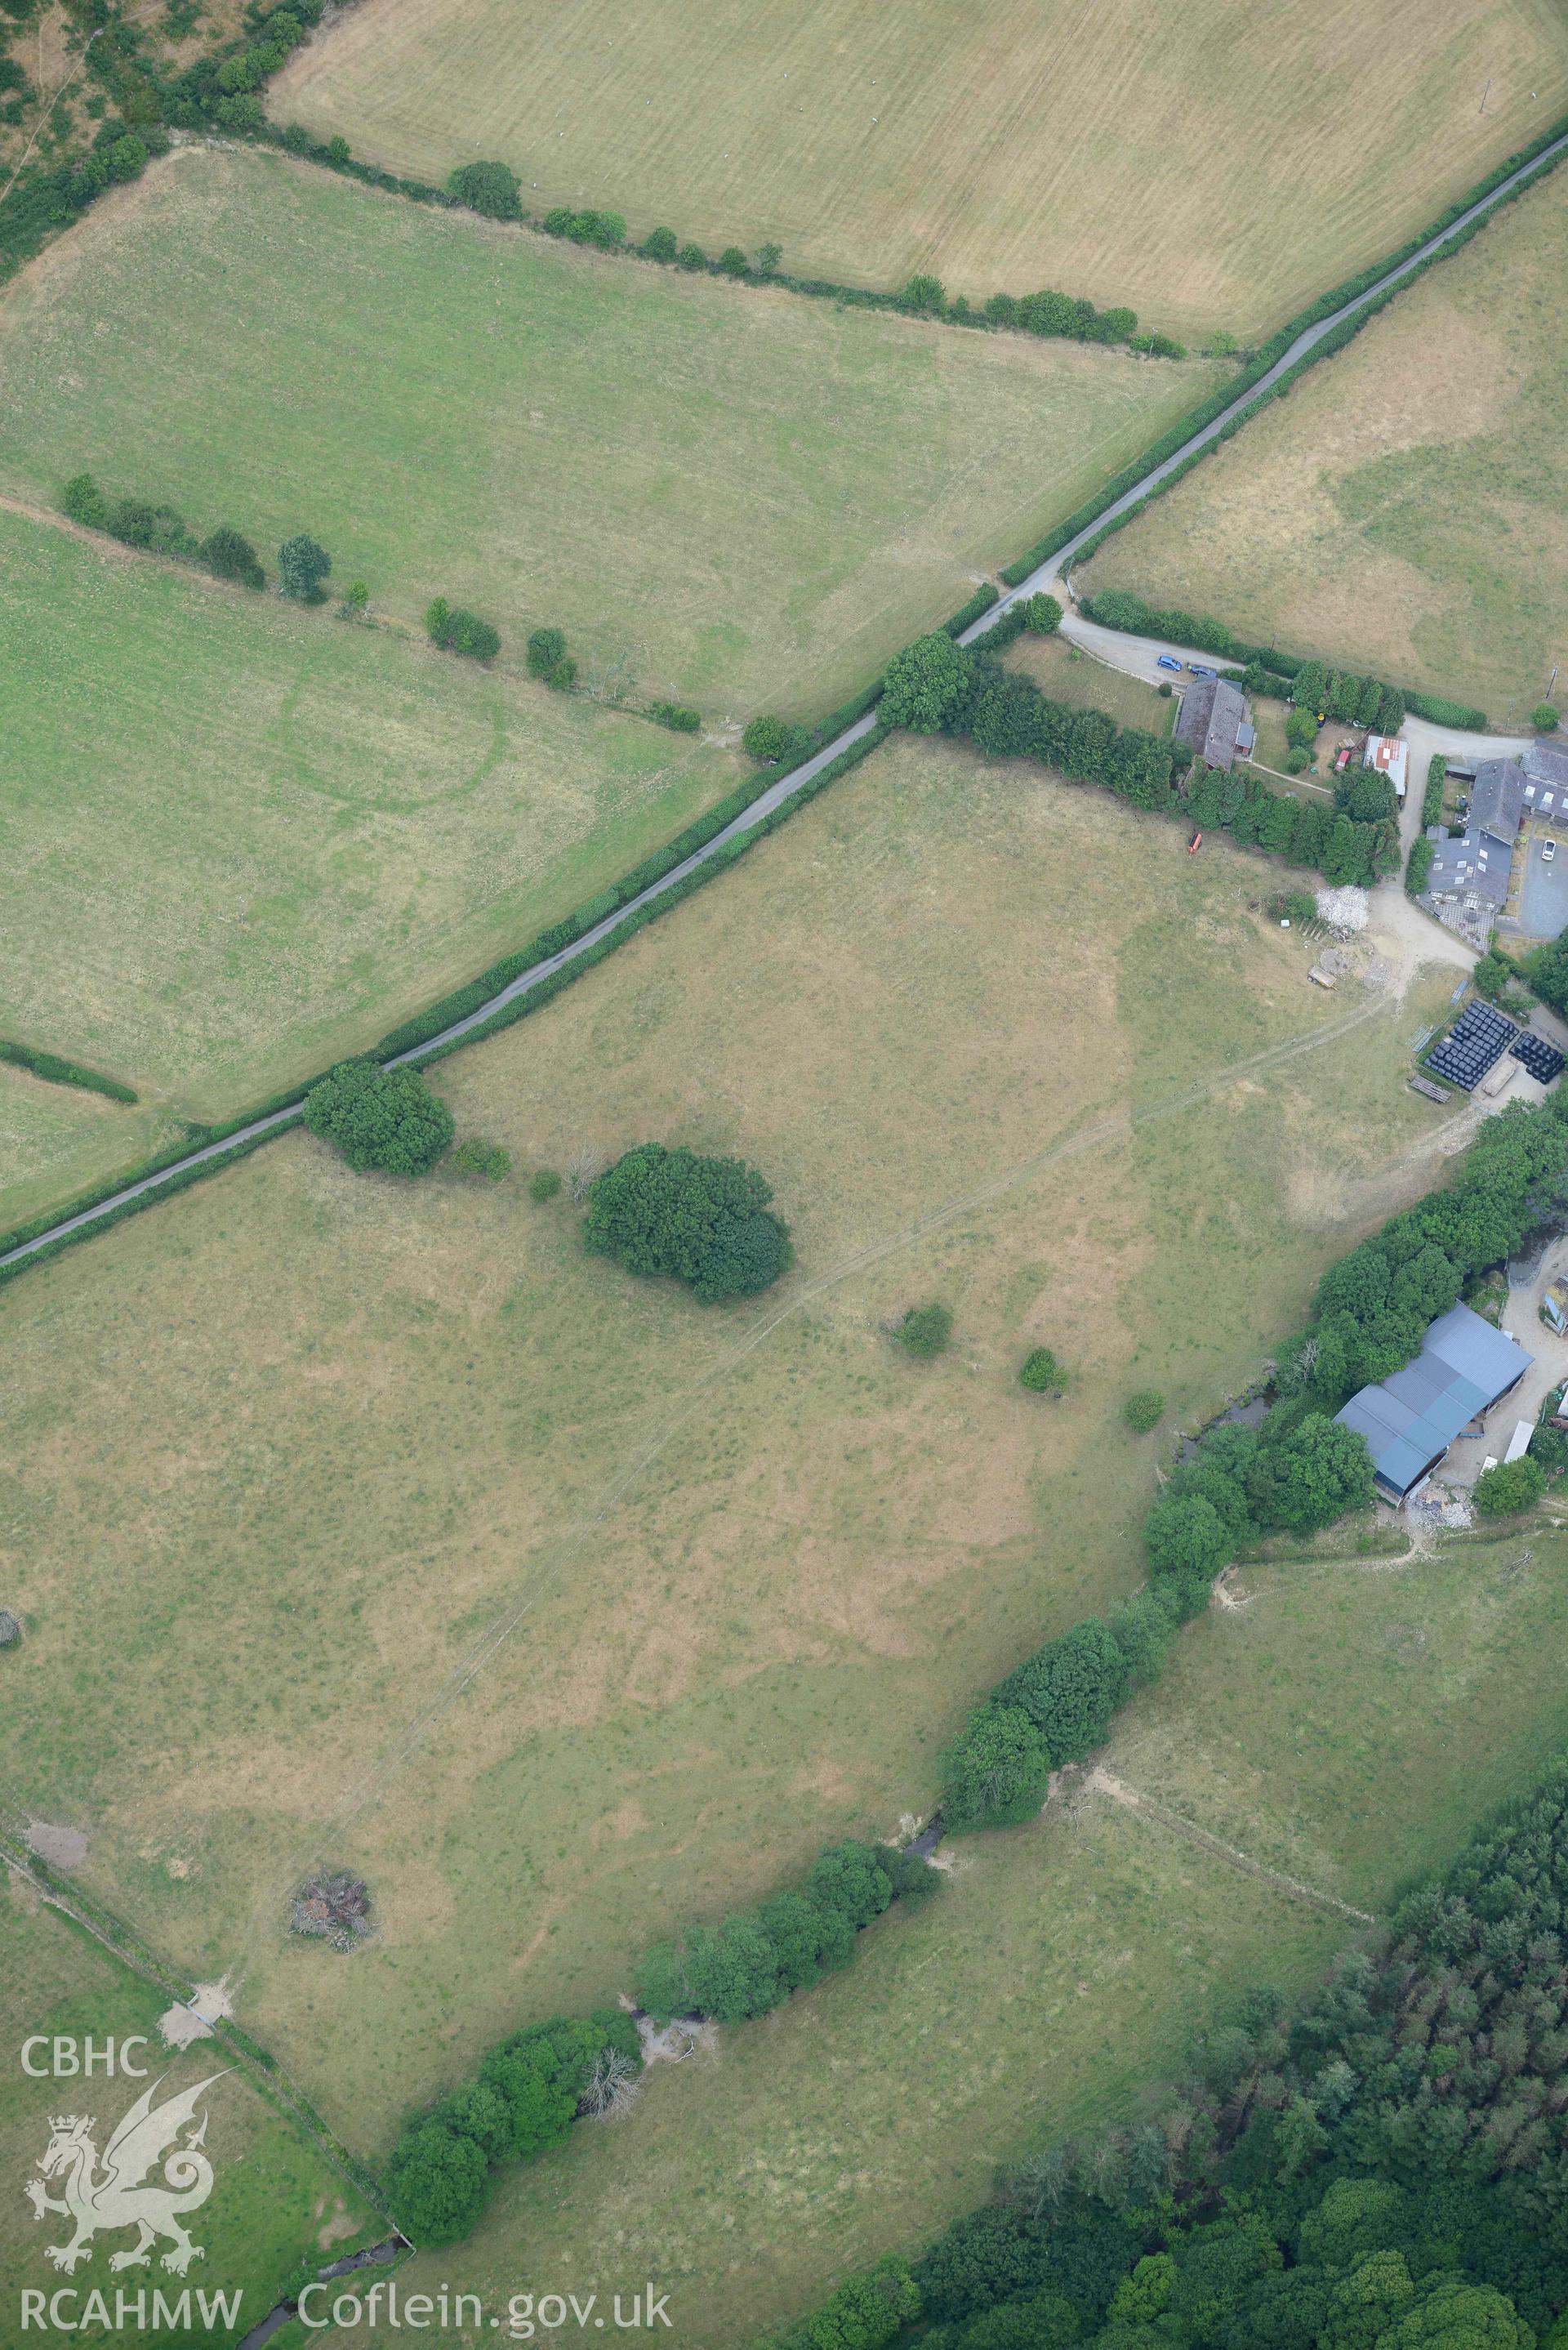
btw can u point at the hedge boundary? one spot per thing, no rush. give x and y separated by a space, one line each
54 1071
1206 634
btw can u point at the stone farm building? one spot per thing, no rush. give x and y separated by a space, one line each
1214 719
1469 875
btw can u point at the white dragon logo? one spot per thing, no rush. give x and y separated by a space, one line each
113 2197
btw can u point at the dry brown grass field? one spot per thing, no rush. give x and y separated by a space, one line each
1403 510
284 1453
1212 165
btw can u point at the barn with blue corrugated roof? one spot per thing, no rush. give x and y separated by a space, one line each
1410 1418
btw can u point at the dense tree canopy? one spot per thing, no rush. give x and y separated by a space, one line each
491 187
923 684
1384 2167
702 1220
385 1118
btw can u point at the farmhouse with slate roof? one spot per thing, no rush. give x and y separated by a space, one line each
1473 870
1214 719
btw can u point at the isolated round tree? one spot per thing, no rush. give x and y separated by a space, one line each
702 1220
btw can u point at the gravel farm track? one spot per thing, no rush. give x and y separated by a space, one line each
778 794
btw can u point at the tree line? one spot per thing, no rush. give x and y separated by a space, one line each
1309 684
1383 2166
936 686
531 2088
1299 1471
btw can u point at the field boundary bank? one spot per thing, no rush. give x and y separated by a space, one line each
729 828
1147 1807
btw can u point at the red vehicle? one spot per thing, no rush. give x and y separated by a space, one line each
1195 843
1342 757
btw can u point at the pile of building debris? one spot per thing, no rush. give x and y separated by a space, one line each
333 1907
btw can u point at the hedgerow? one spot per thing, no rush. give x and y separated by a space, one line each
57 1072
532 2086
1371 701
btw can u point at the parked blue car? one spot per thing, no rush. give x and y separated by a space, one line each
1168 660
1199 671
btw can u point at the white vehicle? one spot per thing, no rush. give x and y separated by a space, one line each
1548 851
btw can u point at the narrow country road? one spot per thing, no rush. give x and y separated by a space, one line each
1307 340
778 794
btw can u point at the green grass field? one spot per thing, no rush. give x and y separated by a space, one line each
1068 674
995 1041
1402 510
278 2207
1212 165
250 837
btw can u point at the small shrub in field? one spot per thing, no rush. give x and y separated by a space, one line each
734 262
1510 1488
1043 615
563 676
924 298
772 739
485 1160
133 522
1297 760
337 150
1144 1409
1300 906
1041 1373
84 502
925 1330
456 631
356 603
660 244
303 564
679 716
489 188
227 555
1543 718
692 256
545 648
544 1184
377 1118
